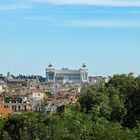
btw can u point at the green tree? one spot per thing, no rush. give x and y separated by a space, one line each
128 88
96 100
118 109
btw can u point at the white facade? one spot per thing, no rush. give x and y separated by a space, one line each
2 86
1 89
37 99
66 75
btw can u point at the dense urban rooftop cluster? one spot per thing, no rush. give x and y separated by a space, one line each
37 94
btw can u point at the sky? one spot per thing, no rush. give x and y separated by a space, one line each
104 34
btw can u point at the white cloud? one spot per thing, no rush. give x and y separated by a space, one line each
87 23
23 4
14 4
100 23
38 18
14 7
126 3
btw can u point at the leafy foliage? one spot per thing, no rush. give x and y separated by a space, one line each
117 100
108 111
72 125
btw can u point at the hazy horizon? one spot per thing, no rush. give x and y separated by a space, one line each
102 34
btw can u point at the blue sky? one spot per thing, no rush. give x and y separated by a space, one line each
105 34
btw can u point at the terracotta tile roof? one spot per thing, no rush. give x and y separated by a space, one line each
4 112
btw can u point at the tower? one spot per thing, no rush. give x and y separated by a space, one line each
84 74
9 76
50 73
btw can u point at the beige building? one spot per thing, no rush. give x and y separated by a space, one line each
17 103
37 100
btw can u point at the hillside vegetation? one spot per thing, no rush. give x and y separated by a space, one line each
108 111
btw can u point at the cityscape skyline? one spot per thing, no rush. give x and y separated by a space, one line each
102 34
